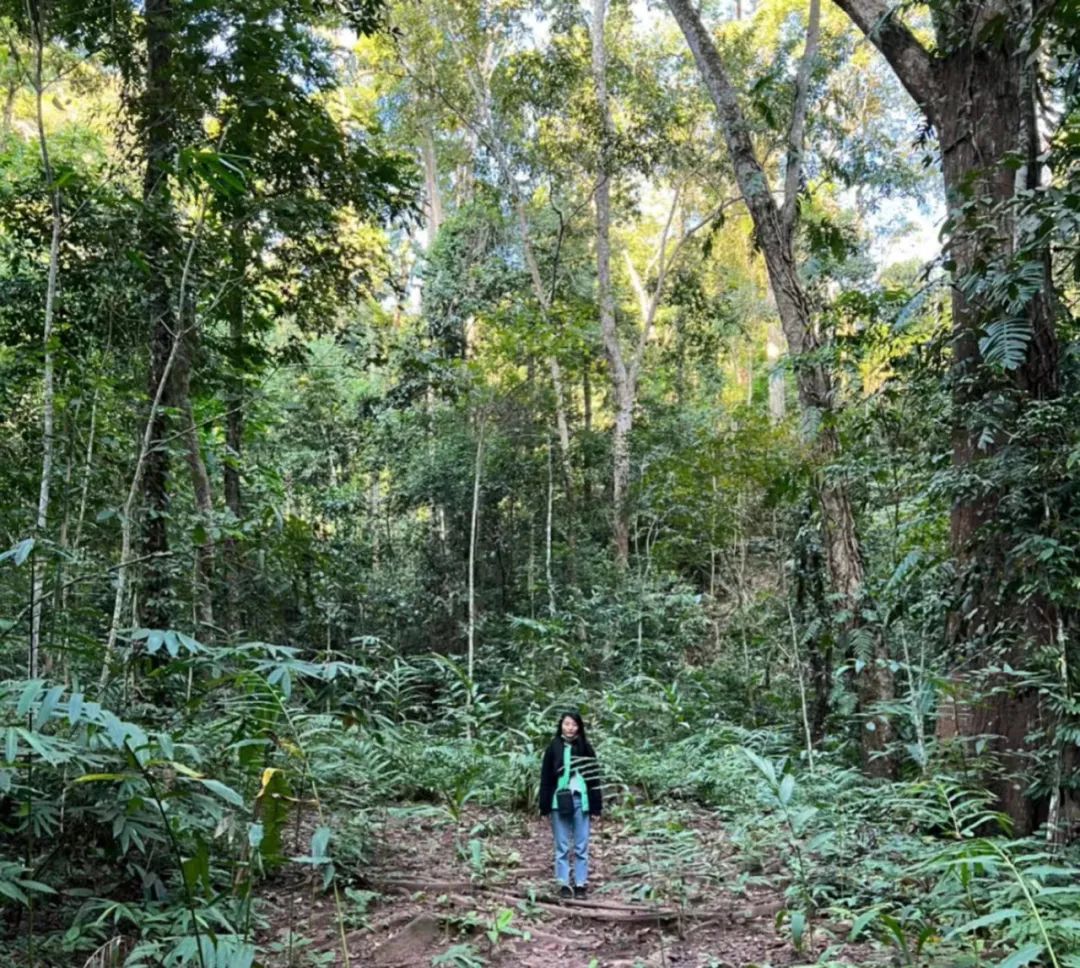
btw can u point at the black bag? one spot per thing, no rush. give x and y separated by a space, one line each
564 796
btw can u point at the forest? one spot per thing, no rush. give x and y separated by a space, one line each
383 380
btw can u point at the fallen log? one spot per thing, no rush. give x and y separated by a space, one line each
598 910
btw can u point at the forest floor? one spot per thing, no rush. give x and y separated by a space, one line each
479 891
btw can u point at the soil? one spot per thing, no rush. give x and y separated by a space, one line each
436 889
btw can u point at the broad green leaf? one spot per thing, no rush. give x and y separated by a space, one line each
320 840
1005 343
172 646
196 869
192 645
1025 956
185 770
994 917
763 765
798 927
30 692
20 552
862 922
227 793
48 705
44 746
35 886
11 890
272 803
11 745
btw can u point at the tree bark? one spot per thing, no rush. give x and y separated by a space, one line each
127 533
200 485
777 384
431 188
9 105
158 124
978 92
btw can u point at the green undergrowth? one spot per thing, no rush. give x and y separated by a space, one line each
149 834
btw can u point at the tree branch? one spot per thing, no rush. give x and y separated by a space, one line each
797 130
751 177
912 62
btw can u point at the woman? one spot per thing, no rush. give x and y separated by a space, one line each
571 774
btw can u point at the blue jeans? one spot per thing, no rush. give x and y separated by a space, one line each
574 828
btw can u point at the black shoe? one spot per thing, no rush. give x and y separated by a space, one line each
579 893
565 892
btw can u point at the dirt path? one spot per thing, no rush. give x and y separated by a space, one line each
479 891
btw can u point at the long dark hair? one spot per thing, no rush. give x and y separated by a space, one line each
580 745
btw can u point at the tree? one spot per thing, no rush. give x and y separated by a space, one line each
48 374
776 226
979 88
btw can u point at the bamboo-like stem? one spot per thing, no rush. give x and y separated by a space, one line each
472 572
547 536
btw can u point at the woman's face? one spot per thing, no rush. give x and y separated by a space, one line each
569 727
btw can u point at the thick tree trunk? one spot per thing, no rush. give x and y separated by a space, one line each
158 130
978 90
982 123
981 116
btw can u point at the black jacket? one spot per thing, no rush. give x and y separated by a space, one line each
552 768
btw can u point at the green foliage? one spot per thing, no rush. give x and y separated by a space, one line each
338 353
459 956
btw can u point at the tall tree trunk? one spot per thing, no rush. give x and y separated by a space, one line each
9 104
978 90
200 485
982 120
775 226
777 384
234 427
431 188
474 531
127 517
622 379
41 521
986 83
158 130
